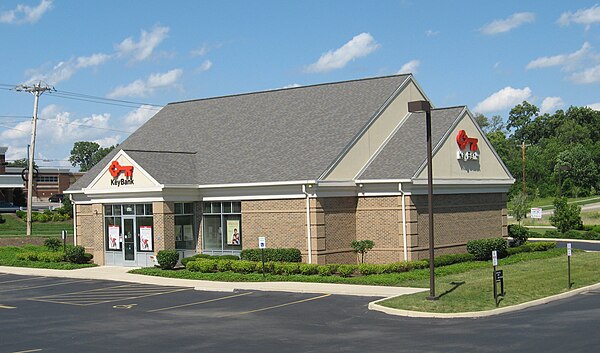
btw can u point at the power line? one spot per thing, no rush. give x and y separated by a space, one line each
84 125
13 128
106 99
99 101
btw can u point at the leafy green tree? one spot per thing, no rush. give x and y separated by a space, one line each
578 165
566 217
519 206
482 121
86 154
20 163
520 118
361 247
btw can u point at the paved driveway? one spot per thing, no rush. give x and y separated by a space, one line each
42 314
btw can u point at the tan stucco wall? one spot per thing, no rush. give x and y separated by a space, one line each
140 180
447 166
359 154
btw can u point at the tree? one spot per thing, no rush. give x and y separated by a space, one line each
520 119
566 217
361 247
20 163
519 206
482 121
86 154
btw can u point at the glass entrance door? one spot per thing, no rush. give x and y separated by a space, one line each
129 239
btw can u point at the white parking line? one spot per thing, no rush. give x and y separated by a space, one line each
202 302
22 280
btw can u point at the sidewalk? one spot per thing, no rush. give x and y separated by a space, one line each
113 273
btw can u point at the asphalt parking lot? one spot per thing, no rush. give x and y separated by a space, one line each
44 314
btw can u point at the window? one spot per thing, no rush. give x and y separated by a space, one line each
184 226
222 230
47 179
142 220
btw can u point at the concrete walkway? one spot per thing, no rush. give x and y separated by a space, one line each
113 273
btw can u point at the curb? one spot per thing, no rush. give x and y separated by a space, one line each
478 314
562 240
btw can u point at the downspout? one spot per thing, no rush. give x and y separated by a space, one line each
74 220
308 223
403 221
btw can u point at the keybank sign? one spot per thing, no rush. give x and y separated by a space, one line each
116 170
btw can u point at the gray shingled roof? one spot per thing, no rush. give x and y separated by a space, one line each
406 151
279 135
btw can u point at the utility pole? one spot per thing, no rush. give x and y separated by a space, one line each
37 90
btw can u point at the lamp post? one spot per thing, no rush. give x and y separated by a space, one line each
425 106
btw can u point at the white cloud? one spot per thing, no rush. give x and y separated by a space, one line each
568 61
410 67
585 17
359 46
64 70
591 75
205 66
25 14
512 22
550 104
138 117
143 88
200 51
503 99
143 48
431 33
15 152
108 141
595 106
18 131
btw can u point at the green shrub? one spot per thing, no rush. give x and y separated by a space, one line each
75 254
244 266
167 259
421 264
226 257
566 216
279 254
572 234
21 214
552 233
482 248
346 270
519 234
309 269
88 257
398 267
28 256
202 265
449 259
224 265
370 269
2 220
51 256
591 235
53 244
185 260
327 270
542 246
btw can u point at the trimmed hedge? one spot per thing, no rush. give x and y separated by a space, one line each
43 256
482 248
167 259
53 244
278 254
530 247
572 234
197 257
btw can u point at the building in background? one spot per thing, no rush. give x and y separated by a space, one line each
311 167
49 181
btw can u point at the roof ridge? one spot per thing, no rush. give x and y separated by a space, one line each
453 107
151 151
289 88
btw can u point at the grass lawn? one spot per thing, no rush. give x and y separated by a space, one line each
588 218
523 281
414 278
8 258
16 226
546 203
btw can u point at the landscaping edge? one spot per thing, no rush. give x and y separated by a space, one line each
478 314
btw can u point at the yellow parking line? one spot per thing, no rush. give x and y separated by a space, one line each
202 302
6 307
23 279
45 285
279 306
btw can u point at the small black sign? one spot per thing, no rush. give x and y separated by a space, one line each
498 275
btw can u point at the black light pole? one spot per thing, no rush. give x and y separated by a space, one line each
424 106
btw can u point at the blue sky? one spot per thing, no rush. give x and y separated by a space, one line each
487 55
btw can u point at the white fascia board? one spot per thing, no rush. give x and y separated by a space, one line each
382 181
116 191
253 197
336 183
469 182
269 183
124 200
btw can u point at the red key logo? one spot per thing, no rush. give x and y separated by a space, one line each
115 169
463 140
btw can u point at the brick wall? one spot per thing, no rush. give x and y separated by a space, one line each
90 233
164 225
457 219
283 222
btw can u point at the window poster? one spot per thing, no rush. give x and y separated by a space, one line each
233 234
146 238
114 238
